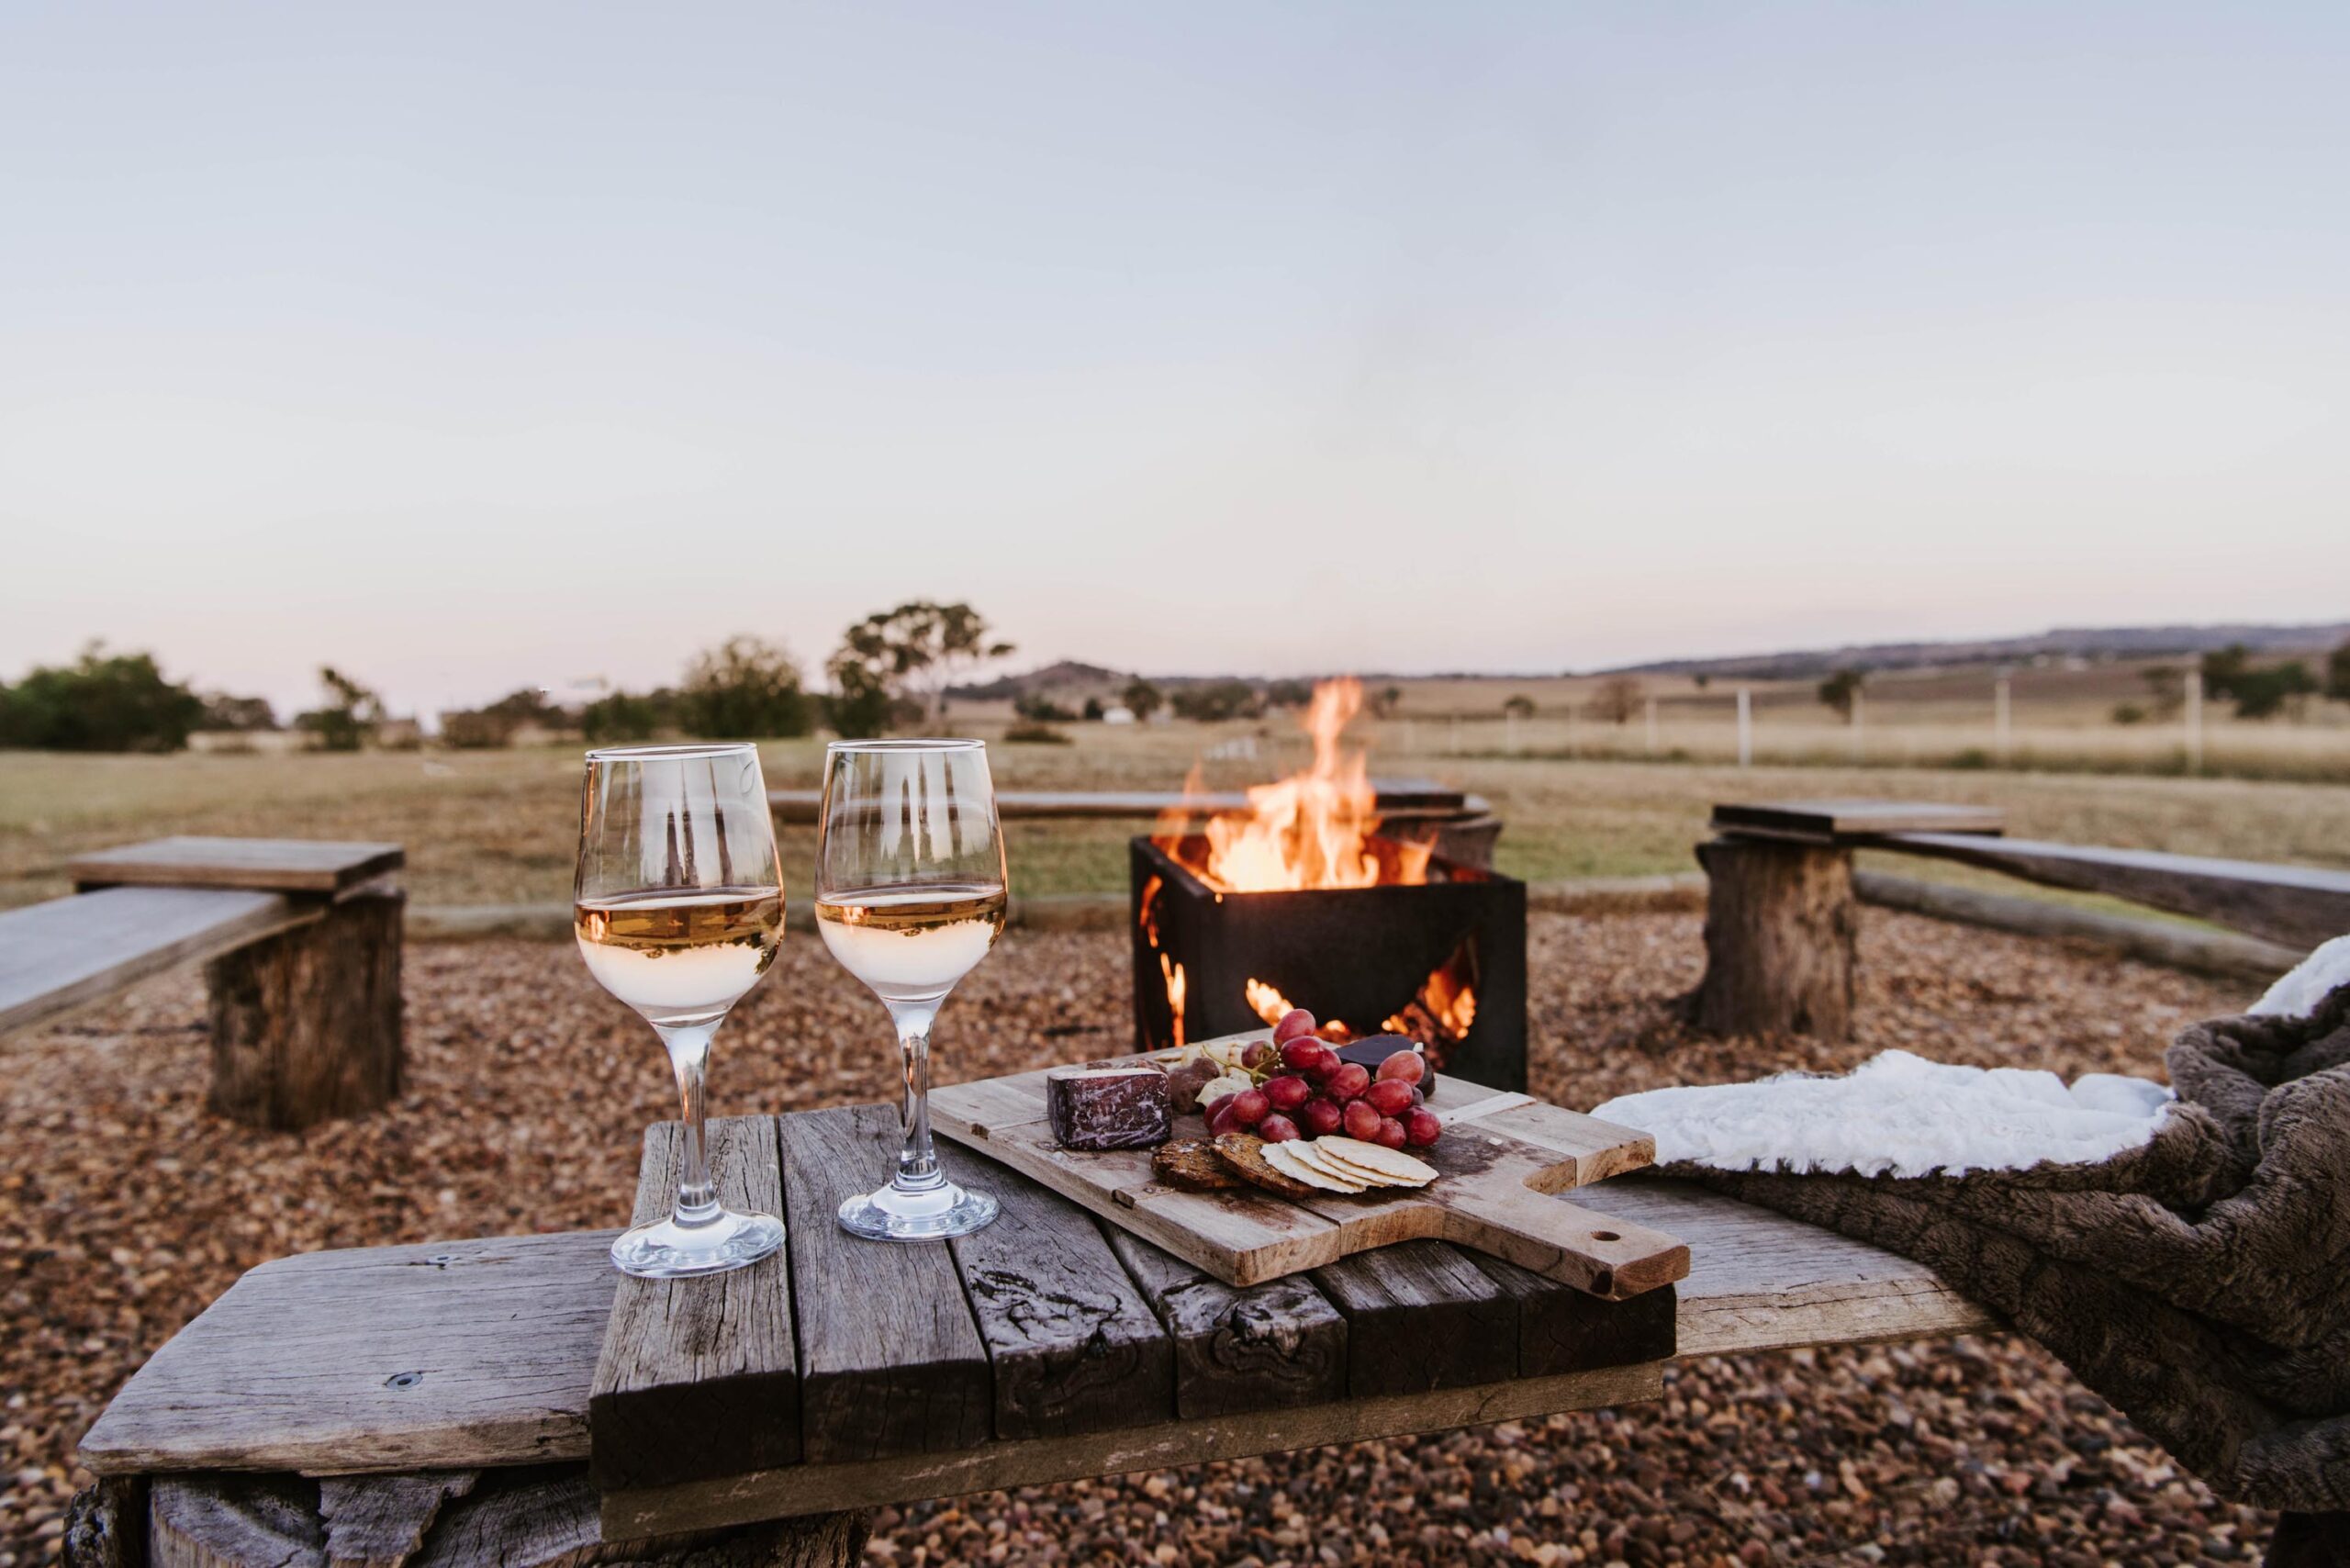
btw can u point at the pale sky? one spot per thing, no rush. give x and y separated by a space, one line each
472 346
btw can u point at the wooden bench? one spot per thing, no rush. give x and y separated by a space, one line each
461 1400
301 944
1781 918
1463 826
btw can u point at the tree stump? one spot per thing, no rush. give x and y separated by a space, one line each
539 1518
305 1026
1780 925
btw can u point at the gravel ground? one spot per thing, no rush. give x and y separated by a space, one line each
124 1208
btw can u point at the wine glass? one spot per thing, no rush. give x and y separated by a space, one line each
679 907
910 895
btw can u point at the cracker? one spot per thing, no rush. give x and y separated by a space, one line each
1245 1153
1191 1164
1392 1163
1292 1160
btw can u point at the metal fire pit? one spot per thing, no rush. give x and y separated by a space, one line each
1357 954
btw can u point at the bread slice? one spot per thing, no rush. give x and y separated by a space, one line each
1194 1165
1245 1153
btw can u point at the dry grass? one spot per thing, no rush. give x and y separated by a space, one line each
496 827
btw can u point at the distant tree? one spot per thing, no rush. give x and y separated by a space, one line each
1702 680
2263 693
1039 709
1289 693
1385 701
2128 713
1517 705
1141 697
745 689
2166 686
915 650
102 701
1839 691
1214 700
1619 697
2337 674
495 724
1093 708
2222 667
348 718
624 716
238 714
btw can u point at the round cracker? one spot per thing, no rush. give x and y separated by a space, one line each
1393 1163
1290 1160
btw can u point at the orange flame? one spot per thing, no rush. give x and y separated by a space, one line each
1311 830
1176 986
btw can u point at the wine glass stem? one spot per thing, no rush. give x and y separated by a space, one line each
917 1162
689 1056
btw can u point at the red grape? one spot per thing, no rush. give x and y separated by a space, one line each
1288 1091
1405 1066
1294 1022
1361 1121
1389 1133
1420 1127
1351 1079
1326 1060
1277 1128
1320 1118
1418 1097
1389 1097
1301 1054
1257 1053
1209 1108
1249 1106
1222 1121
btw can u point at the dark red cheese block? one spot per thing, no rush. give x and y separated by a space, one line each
1108 1107
1379 1048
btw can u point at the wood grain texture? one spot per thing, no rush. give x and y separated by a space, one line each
1072 1344
540 1517
1268 1346
1782 929
269 864
813 1488
891 1361
699 1377
1839 822
2299 906
1488 1195
445 1354
1561 1330
380 1522
308 1025
69 952
1403 798
1420 1315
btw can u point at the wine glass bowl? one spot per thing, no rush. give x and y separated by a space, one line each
677 907
910 897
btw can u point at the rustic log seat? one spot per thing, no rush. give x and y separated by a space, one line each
461 1401
1781 916
301 944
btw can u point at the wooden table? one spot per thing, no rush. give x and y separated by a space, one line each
1043 1349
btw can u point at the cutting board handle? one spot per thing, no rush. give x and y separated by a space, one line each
1595 1252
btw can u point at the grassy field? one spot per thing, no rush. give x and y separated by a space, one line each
497 827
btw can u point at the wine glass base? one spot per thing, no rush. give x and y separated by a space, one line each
667 1250
892 1215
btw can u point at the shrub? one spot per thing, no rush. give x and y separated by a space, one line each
745 689
2128 713
1218 700
243 715
1141 697
349 719
1039 709
621 717
100 702
1035 734
2337 673
494 727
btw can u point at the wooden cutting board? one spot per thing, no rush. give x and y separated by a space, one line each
1501 1158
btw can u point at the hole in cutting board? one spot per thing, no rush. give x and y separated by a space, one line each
1606 1236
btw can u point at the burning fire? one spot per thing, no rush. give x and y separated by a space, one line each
1438 1017
1311 830
1272 1005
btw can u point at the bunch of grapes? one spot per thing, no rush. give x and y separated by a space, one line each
1300 1088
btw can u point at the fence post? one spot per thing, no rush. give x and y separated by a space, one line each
1745 728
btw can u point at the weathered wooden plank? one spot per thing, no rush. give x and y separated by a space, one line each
1760 1280
890 1360
307 1024
699 1377
1420 1315
1398 799
1268 1346
2301 906
446 1354
380 1522
1834 821
58 955
1561 1330
814 1489
1073 1345
269 864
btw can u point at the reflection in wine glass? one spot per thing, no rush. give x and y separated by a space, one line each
679 908
909 896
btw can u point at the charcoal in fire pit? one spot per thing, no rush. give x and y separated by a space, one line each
1107 1107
